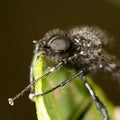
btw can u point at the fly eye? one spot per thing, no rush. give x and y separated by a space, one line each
59 44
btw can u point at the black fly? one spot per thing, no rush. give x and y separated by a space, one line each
80 49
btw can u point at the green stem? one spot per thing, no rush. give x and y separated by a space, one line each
41 110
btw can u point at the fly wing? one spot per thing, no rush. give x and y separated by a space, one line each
111 66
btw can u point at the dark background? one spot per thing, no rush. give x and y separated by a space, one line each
25 21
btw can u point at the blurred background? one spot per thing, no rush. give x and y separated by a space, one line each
25 21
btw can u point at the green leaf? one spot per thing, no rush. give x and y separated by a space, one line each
68 102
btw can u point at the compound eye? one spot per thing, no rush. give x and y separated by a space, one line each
59 44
